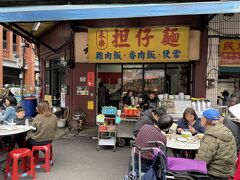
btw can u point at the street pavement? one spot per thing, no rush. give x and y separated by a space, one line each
76 158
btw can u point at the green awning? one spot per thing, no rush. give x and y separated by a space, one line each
229 70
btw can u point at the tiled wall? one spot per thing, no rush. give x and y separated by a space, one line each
225 26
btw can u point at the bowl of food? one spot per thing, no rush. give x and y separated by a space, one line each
186 134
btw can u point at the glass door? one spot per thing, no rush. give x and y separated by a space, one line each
133 80
154 80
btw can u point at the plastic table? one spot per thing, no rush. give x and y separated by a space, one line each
10 130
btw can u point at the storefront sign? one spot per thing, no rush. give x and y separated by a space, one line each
81 47
90 79
229 52
90 105
115 45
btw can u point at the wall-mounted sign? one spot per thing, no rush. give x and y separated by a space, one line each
117 45
63 100
81 46
82 90
90 79
229 52
90 105
83 79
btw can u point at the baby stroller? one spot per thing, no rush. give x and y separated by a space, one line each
164 167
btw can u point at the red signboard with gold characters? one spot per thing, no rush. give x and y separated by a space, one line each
229 52
118 45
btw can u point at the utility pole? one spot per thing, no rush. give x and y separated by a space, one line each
24 45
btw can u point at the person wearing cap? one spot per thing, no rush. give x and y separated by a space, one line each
20 115
218 147
20 120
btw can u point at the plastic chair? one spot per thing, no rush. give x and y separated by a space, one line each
27 167
48 159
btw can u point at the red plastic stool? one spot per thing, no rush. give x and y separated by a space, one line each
28 168
48 156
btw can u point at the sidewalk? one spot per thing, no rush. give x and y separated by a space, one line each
77 158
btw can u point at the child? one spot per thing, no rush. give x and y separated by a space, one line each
20 120
20 115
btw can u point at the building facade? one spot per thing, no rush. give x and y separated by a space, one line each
224 74
82 78
11 58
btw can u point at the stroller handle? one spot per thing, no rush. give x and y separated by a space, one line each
146 149
156 143
136 146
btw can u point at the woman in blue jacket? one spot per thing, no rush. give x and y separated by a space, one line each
190 122
10 113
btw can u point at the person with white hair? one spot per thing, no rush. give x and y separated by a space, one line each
218 147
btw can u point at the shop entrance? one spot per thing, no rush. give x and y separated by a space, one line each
117 79
54 78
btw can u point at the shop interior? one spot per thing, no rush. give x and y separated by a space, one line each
170 78
228 80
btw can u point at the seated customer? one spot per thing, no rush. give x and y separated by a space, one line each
10 112
20 116
150 117
20 120
150 102
152 133
218 147
191 122
46 125
233 128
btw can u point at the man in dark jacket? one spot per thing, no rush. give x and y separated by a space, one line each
233 128
150 117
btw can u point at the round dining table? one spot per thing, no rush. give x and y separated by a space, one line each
178 142
182 147
11 130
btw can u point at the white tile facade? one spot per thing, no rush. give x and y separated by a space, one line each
219 26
